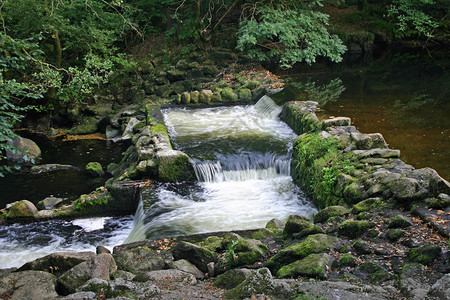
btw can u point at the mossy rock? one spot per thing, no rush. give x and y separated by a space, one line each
354 228
395 234
331 211
247 252
86 125
94 169
376 274
308 231
260 282
26 151
231 278
229 95
140 259
354 193
347 260
425 255
275 225
196 255
205 96
400 221
362 247
252 84
367 205
213 243
195 97
245 95
312 244
174 166
262 234
295 224
22 209
185 98
314 265
216 97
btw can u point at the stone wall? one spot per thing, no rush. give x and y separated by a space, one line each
338 165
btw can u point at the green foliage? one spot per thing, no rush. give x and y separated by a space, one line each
290 34
231 254
14 57
412 17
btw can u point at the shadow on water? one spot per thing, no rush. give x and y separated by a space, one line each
405 96
66 184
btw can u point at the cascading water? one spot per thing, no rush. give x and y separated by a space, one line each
242 161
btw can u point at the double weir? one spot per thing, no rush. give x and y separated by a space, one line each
241 156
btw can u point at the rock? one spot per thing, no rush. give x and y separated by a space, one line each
367 205
431 180
50 202
441 288
27 151
96 285
232 278
362 247
174 166
400 221
296 224
123 275
373 272
394 234
22 209
94 169
128 131
377 153
368 141
339 121
229 95
413 282
185 266
425 255
175 75
308 231
102 250
195 96
405 189
47 168
32 285
353 228
213 243
249 251
198 256
260 282
312 244
81 296
57 263
167 276
112 132
125 197
205 96
314 265
86 125
245 95
216 97
331 211
332 290
141 259
354 193
100 266
347 260
275 225
185 98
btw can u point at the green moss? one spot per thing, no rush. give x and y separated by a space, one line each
314 265
176 169
229 95
331 211
312 244
367 205
94 169
213 243
353 228
245 95
295 224
91 204
376 273
262 234
400 221
425 255
395 234
347 260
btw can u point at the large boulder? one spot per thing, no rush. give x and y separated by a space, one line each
27 151
354 228
368 141
197 255
32 285
22 209
57 263
295 224
314 265
425 254
174 166
412 281
186 266
141 259
100 266
316 243
331 211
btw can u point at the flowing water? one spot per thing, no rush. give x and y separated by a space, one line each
242 162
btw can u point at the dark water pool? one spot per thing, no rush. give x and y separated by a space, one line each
66 184
406 97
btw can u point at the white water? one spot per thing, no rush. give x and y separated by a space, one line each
242 162
21 243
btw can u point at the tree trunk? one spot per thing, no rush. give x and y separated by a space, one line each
57 49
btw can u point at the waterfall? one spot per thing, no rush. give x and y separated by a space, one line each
268 108
253 166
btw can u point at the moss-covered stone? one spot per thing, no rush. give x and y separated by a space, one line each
262 234
213 243
376 274
400 221
395 234
367 205
174 166
245 95
362 247
275 225
353 228
185 98
229 95
314 265
196 255
252 84
312 244
295 224
195 96
232 278
94 169
347 260
308 231
139 259
26 151
86 125
21 209
354 192
425 255
332 211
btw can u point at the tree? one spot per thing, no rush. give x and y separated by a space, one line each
289 31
